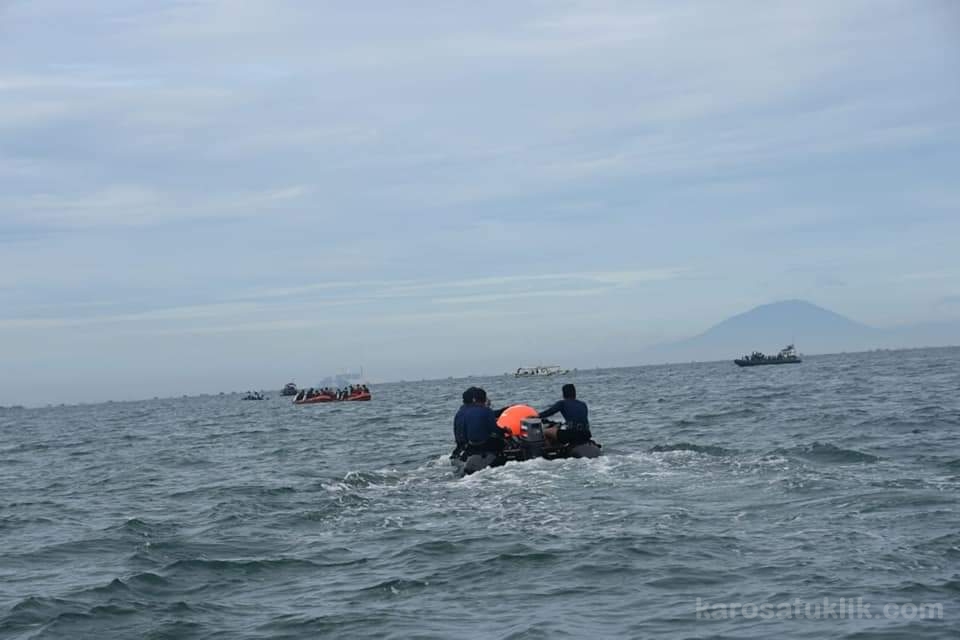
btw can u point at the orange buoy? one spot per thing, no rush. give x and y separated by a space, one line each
513 416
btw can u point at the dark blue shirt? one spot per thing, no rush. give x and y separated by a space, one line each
573 411
460 426
479 423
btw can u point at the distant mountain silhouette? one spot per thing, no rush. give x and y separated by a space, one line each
813 329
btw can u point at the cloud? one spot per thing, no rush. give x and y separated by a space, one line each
126 204
603 277
707 107
283 305
184 313
550 294
940 274
483 289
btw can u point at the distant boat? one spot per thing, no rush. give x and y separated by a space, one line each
254 395
289 389
787 355
360 394
524 372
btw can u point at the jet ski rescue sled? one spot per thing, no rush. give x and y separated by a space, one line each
525 443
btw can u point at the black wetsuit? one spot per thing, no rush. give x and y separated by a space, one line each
576 429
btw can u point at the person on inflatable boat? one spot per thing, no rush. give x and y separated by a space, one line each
475 427
459 427
576 427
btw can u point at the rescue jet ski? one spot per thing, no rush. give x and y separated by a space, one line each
525 442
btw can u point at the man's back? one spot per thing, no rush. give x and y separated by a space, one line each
480 423
460 425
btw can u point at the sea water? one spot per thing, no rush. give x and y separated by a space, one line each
799 501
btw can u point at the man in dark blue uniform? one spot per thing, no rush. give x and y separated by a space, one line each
459 426
576 427
484 439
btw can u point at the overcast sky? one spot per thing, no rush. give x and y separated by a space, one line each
199 196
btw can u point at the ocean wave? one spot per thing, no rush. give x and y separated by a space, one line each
79 617
26 447
948 545
364 479
335 624
711 450
138 584
718 416
248 490
394 587
32 612
137 529
176 630
827 453
221 568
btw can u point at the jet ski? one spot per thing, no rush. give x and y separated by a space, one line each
525 443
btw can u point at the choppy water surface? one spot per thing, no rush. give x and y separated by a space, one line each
217 518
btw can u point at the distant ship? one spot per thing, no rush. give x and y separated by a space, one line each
523 372
289 389
787 355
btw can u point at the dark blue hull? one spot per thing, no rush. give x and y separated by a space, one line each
756 363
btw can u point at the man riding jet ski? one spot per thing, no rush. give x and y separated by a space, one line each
488 439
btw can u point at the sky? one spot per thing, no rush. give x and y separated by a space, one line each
213 195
